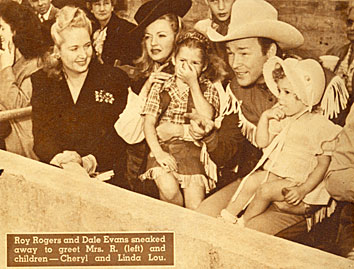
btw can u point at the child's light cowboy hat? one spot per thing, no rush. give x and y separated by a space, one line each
306 77
258 18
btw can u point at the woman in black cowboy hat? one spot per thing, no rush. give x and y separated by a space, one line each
159 23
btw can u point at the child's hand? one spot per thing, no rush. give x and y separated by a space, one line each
166 161
293 195
274 113
188 74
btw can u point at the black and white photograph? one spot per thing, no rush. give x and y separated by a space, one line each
176 134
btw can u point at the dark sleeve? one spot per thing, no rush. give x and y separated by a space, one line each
43 119
5 129
131 45
224 143
122 82
123 47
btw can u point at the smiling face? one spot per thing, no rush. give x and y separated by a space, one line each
246 59
102 10
221 9
75 51
287 98
159 40
40 6
6 34
189 56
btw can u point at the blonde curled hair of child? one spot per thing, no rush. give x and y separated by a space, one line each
67 17
216 67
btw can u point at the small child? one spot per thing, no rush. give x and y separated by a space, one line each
292 135
174 163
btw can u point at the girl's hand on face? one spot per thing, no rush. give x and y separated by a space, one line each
166 161
187 73
7 54
275 113
293 195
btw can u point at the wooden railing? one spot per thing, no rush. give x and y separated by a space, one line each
15 113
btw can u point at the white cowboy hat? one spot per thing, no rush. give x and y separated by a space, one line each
306 76
258 18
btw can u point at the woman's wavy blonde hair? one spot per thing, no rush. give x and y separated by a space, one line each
67 17
145 64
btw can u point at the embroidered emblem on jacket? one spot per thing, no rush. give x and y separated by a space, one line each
103 96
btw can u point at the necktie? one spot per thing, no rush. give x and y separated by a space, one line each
41 17
220 26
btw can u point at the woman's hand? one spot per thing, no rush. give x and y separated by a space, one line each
155 77
167 130
7 54
293 195
68 156
188 74
166 161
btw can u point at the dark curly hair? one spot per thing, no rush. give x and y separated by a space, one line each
278 73
26 25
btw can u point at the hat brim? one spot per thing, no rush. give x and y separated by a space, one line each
291 75
177 7
305 76
286 35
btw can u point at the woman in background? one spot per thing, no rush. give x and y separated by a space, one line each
110 41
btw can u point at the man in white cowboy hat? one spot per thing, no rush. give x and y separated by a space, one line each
254 35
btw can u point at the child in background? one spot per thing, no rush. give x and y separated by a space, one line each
220 12
176 162
292 135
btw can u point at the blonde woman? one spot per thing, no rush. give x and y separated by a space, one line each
77 100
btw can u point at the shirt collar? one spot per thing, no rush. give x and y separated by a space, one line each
46 15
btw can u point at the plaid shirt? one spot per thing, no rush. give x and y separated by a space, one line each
180 102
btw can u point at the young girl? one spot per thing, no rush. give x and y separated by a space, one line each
292 135
178 162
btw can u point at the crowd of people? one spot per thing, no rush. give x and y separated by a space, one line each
217 118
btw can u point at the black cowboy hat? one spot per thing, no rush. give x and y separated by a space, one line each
154 9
